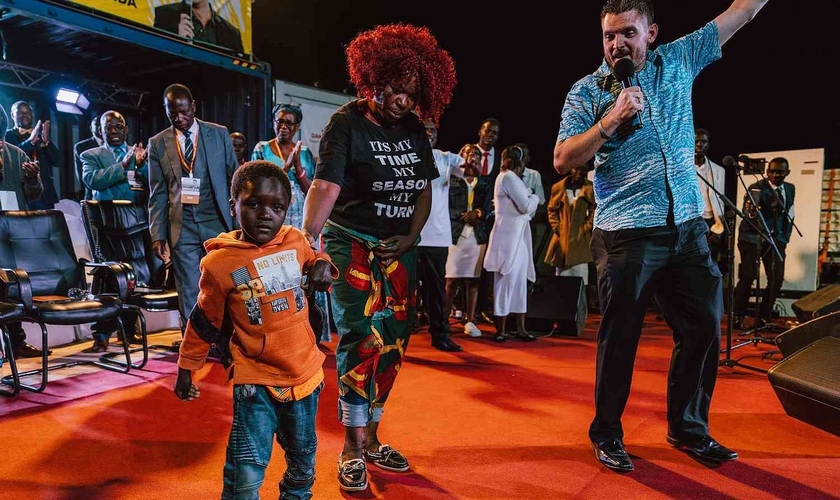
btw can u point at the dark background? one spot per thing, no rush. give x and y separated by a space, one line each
771 90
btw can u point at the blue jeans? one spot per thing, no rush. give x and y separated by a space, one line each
257 419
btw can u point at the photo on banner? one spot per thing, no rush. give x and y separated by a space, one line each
228 26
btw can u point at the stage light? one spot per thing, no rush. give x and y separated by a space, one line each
71 101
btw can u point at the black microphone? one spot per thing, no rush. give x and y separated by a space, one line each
624 71
729 161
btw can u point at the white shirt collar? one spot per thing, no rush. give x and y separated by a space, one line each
193 130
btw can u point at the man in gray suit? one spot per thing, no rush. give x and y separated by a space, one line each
115 170
190 167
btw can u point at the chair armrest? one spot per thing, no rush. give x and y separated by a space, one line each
111 278
19 278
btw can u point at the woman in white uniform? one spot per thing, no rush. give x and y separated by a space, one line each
510 255
470 195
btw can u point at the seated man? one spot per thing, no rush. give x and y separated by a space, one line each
21 177
115 171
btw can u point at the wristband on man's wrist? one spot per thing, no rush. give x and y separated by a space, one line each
602 131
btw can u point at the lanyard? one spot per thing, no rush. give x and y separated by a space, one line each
275 147
187 166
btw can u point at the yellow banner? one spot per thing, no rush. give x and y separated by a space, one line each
218 23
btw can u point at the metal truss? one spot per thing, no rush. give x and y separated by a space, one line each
26 77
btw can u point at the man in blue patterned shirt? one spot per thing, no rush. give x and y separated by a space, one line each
649 237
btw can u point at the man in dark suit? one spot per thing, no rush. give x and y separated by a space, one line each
491 161
488 136
190 167
94 141
774 197
35 141
199 23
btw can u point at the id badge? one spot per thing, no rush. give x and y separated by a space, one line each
133 183
189 190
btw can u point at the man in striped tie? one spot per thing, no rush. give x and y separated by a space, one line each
190 168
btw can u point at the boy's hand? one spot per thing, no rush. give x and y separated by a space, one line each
184 388
320 276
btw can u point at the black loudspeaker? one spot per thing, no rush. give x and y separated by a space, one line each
557 306
807 333
807 384
817 303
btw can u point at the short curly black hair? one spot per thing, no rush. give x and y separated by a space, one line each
251 171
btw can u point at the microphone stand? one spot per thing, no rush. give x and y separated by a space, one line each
730 295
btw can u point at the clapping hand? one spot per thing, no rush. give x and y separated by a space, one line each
45 132
31 169
35 134
140 155
293 159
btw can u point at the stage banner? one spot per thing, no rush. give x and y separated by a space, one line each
226 25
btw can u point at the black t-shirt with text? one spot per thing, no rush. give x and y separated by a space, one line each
381 170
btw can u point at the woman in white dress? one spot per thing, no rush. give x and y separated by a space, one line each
510 255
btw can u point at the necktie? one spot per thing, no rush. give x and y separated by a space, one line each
120 153
188 147
485 167
781 193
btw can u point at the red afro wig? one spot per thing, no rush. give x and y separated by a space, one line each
378 57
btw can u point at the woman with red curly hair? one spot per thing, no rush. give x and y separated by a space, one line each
371 196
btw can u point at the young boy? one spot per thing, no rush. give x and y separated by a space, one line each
251 292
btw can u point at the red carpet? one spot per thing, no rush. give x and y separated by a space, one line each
496 421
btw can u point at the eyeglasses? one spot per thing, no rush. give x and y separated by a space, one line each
115 128
287 123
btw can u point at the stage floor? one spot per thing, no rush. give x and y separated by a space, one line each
496 421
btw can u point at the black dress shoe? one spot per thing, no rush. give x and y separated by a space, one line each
525 337
133 338
705 448
446 344
99 345
500 337
613 455
27 350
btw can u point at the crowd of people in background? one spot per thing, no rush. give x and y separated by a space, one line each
387 223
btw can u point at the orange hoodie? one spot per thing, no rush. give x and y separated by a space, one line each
255 290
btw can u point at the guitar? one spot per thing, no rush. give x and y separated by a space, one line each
823 258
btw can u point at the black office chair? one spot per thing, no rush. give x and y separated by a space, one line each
119 231
43 276
8 313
